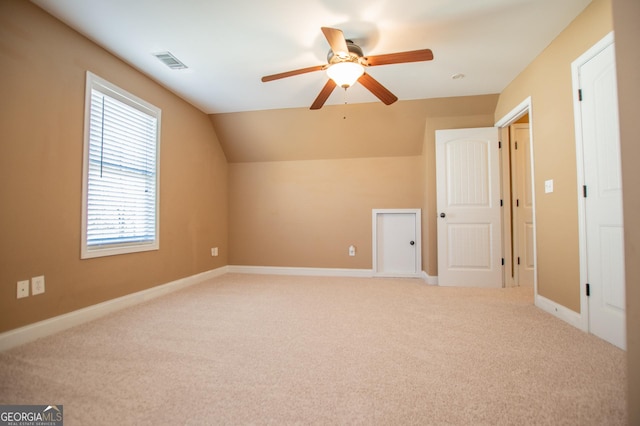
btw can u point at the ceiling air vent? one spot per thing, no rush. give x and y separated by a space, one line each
169 60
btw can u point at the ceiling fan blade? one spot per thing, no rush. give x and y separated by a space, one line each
324 94
400 57
336 41
292 73
377 89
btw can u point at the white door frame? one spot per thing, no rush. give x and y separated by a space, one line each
418 240
582 224
525 107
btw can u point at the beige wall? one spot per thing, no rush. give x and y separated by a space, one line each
548 81
339 131
307 213
626 16
343 162
42 81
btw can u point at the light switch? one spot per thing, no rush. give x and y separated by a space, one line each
548 186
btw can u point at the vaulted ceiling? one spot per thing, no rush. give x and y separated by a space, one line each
229 45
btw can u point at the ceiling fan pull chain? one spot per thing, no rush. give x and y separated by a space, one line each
344 117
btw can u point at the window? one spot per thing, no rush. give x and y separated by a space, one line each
120 173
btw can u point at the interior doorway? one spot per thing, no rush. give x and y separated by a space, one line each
518 215
468 206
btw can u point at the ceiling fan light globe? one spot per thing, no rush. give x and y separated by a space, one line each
345 74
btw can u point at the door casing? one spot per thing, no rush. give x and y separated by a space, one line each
524 108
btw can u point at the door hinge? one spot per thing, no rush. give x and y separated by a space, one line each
516 145
584 191
580 95
501 202
588 290
499 144
518 202
518 260
503 261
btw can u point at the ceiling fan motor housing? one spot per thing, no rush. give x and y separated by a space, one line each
355 54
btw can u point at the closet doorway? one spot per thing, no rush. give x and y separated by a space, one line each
518 214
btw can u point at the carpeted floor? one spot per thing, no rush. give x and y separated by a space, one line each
281 350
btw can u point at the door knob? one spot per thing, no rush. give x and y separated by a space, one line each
412 242
442 215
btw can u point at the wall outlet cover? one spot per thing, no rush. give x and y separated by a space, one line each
23 289
37 285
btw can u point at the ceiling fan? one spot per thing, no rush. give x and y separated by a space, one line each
346 65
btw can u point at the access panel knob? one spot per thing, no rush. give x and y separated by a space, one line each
442 215
412 242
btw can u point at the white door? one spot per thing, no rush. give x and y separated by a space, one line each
468 204
522 201
602 196
397 243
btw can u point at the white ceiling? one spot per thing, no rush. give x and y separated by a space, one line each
229 45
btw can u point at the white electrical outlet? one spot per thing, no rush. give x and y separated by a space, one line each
548 186
214 251
352 250
23 289
37 285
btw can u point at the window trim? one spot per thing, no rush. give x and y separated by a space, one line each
109 89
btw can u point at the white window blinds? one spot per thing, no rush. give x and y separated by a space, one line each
121 172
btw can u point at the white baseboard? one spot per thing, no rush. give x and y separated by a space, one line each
31 332
417 275
283 270
429 279
324 272
559 311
